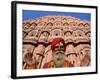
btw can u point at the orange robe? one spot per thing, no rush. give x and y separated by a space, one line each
51 64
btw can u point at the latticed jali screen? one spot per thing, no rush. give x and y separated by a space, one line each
38 34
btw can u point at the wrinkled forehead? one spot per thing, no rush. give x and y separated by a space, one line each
60 44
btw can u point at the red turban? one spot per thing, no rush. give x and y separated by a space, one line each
56 41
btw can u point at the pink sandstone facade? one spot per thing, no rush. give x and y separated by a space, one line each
39 32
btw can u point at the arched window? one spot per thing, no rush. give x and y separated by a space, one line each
26 26
56 32
88 34
68 33
66 24
33 25
81 25
45 33
78 33
64 19
50 24
86 25
33 33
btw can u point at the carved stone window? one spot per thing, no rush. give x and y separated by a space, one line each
86 25
26 26
81 25
45 33
65 24
84 51
68 33
34 33
33 25
56 32
88 34
78 33
44 36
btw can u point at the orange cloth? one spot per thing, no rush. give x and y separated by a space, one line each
51 64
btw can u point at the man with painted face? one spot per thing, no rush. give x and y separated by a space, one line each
58 54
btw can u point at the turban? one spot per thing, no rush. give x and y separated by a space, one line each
56 41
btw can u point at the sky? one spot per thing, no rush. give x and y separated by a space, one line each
31 14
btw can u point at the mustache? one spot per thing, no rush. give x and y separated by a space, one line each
60 51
